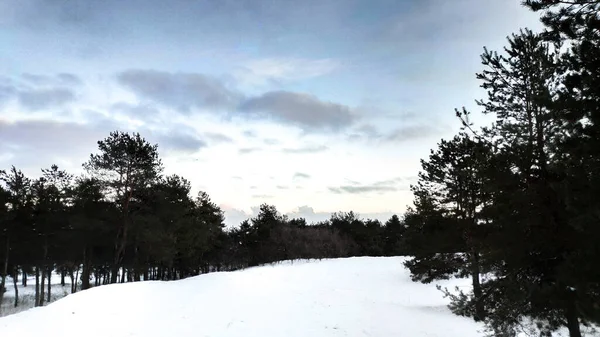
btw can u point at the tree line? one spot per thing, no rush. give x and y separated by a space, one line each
515 206
124 220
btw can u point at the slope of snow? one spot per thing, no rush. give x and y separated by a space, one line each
363 296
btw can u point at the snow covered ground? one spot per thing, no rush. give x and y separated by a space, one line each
27 294
363 296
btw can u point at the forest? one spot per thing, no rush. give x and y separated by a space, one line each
125 221
513 205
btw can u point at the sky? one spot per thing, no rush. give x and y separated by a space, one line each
314 106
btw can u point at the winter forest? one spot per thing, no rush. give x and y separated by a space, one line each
513 206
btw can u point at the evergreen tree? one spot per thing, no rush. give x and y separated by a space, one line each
126 163
446 225
393 234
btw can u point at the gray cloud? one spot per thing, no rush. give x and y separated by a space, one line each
262 196
248 150
303 110
69 79
398 135
180 142
35 144
136 110
271 141
412 132
308 149
301 175
181 91
61 79
218 137
361 189
39 99
389 185
249 133
185 91
38 92
7 92
41 143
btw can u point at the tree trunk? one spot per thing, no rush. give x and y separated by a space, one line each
475 271
63 273
72 277
44 261
121 239
15 281
76 278
572 320
114 273
145 274
5 269
85 271
123 275
37 286
24 280
43 288
49 284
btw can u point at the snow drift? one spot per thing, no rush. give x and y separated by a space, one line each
363 296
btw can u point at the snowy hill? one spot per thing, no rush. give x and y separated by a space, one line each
342 297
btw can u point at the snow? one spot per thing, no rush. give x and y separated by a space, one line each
364 296
27 294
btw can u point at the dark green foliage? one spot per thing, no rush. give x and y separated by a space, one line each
393 234
124 221
530 221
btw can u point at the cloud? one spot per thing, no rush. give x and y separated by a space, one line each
173 141
397 135
39 99
412 132
71 79
40 143
271 141
263 71
136 110
248 150
61 79
262 196
361 189
303 110
7 92
389 185
35 144
301 175
308 149
181 91
280 187
216 137
249 133
39 92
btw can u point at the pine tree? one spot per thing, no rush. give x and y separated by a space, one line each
18 220
125 164
444 230
393 235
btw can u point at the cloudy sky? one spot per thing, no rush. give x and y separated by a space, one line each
313 106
